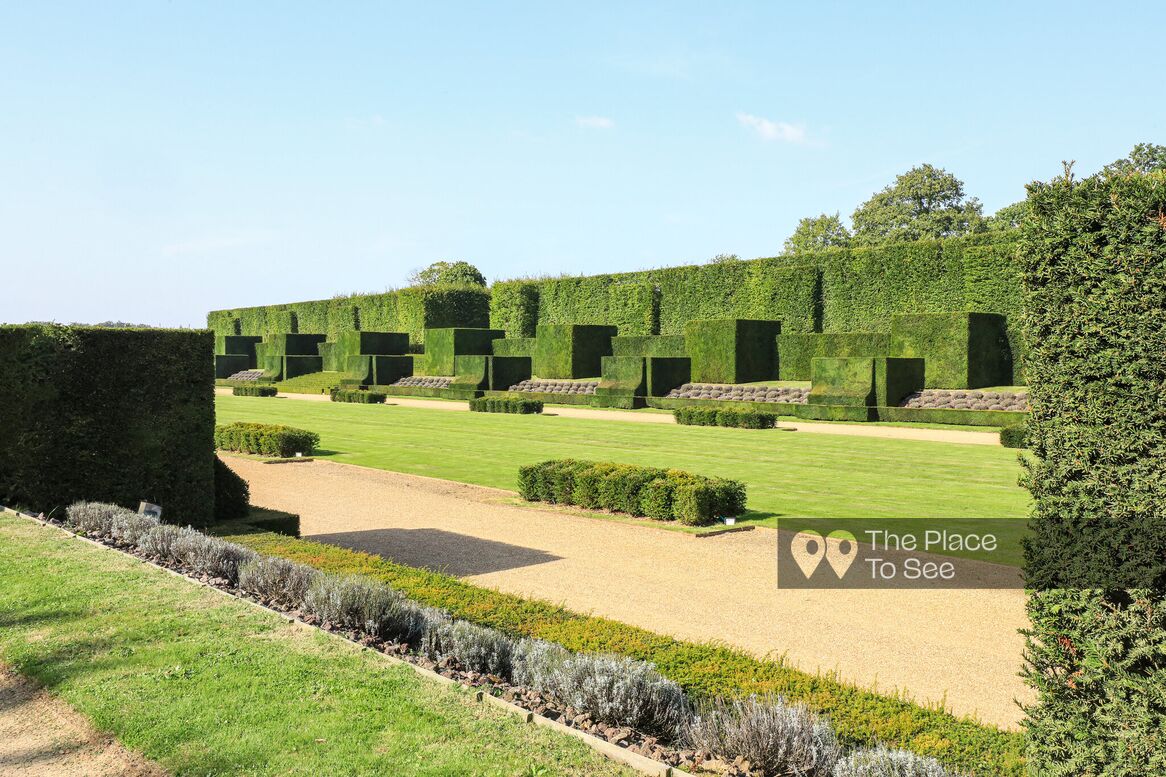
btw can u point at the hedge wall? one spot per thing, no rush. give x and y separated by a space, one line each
794 351
108 415
848 381
514 308
411 310
514 346
1093 257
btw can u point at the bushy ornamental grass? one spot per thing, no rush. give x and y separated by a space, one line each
731 417
884 762
359 397
265 439
642 491
254 391
515 405
277 580
773 737
476 648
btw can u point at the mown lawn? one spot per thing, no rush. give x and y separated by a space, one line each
207 685
789 474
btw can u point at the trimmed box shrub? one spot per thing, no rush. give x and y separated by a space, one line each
796 350
657 493
265 439
939 415
666 373
116 415
732 350
257 390
358 396
442 346
1014 436
711 416
571 350
236 345
1093 257
962 350
506 405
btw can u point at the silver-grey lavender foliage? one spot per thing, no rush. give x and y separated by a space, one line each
885 762
128 528
159 541
212 556
92 517
476 648
278 580
360 605
780 740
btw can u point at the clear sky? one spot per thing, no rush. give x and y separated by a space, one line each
161 159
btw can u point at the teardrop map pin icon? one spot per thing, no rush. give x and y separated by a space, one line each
807 547
842 551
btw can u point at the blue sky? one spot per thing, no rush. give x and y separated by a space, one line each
160 160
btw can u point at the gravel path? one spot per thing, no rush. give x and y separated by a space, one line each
958 648
41 736
567 411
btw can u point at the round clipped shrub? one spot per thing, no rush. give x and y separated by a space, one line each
1015 436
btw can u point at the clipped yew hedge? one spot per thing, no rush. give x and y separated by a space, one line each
662 494
1093 255
265 439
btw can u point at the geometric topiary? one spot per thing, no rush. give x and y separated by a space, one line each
864 380
794 351
732 350
963 350
571 350
442 345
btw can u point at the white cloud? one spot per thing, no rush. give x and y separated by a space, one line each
773 130
595 122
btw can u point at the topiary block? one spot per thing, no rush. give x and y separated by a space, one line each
864 381
732 350
505 371
623 376
666 373
962 350
571 350
795 351
442 346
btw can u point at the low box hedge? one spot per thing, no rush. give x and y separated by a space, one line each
1015 436
515 405
661 494
358 396
712 416
255 391
265 439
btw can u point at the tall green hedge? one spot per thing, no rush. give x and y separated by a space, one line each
108 415
648 345
514 308
411 310
1093 257
666 373
514 346
794 351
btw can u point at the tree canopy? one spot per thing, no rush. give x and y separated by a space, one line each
926 202
818 232
459 273
1145 158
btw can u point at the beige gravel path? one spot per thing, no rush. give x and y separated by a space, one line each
41 736
850 430
956 648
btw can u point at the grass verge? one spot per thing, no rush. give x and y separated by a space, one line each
208 685
859 716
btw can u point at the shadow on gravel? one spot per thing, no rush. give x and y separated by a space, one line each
453 554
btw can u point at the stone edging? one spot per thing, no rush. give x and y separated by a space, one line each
608 750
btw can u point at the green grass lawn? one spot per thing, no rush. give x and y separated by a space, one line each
207 685
790 475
